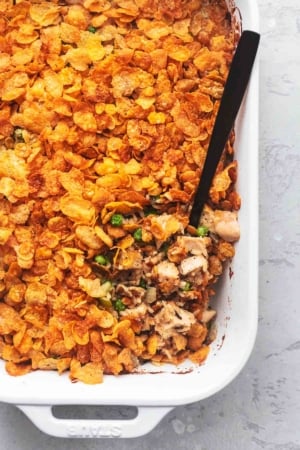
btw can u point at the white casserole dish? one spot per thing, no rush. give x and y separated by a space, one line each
155 394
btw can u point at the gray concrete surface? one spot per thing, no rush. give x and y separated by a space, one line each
260 409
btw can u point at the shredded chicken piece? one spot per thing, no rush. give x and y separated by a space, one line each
188 244
208 315
172 319
134 292
226 225
222 223
194 245
192 264
136 313
167 276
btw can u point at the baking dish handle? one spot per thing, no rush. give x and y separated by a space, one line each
147 418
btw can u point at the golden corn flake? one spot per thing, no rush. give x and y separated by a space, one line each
154 29
90 373
180 53
222 181
44 14
9 319
107 109
26 34
78 209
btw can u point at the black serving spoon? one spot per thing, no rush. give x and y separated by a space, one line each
233 95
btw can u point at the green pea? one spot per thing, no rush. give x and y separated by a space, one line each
187 287
117 220
92 29
119 305
101 259
202 231
138 234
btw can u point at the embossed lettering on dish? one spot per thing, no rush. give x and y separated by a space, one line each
93 431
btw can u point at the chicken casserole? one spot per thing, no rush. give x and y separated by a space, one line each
107 108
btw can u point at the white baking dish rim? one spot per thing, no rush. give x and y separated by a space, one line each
156 395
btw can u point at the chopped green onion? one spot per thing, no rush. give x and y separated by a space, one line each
138 234
92 29
18 135
143 283
150 210
202 231
155 198
101 259
119 305
105 302
165 247
187 287
117 220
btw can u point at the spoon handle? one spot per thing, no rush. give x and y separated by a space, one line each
234 90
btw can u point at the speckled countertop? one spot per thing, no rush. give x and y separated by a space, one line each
260 409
